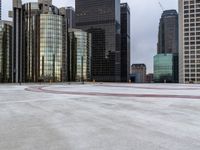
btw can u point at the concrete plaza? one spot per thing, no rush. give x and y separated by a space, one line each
97 116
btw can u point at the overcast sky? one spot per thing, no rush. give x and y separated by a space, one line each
145 15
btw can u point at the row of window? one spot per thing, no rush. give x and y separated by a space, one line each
192 43
192 66
194 15
191 24
192 33
192 61
192 57
192 38
192 20
191 52
191 6
191 2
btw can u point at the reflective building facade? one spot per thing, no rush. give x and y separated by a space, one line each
80 55
39 42
31 41
102 20
125 42
165 68
0 9
69 13
166 60
168 32
51 47
17 52
5 51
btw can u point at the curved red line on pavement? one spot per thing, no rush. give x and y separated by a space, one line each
152 88
42 90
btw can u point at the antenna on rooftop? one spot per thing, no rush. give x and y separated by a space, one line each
161 6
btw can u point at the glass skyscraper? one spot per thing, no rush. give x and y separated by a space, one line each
165 68
166 60
0 10
39 42
51 47
5 51
168 32
80 55
125 42
101 18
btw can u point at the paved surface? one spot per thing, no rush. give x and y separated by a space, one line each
100 117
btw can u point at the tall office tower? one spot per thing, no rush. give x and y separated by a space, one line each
189 41
0 9
38 42
71 17
168 32
5 51
80 55
166 60
125 42
102 19
17 55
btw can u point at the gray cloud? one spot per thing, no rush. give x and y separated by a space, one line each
145 15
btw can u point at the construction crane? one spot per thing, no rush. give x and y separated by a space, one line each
161 6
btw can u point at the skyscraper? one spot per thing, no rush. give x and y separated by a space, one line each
79 55
71 17
5 51
168 32
189 41
17 55
166 60
125 42
0 9
102 19
38 42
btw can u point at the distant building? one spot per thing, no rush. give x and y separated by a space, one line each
138 73
79 55
70 15
149 78
5 51
166 60
125 42
101 18
165 68
189 41
168 32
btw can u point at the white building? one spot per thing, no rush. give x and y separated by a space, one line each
189 41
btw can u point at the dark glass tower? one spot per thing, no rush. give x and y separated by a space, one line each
17 55
102 19
5 51
168 32
125 42
0 9
166 61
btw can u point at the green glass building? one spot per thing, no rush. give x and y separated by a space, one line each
165 68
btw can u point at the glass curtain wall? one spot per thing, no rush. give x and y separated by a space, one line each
51 45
